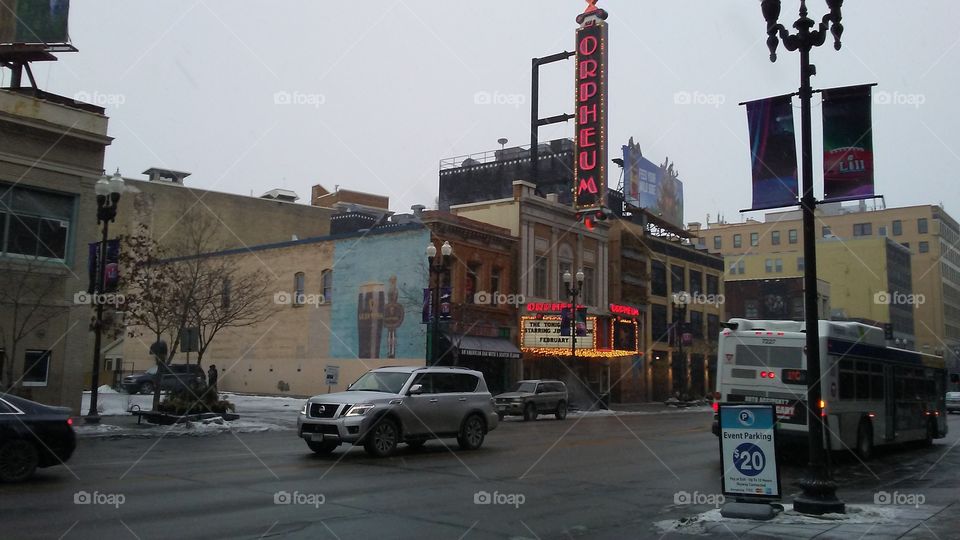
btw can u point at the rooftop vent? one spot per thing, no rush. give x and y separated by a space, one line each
156 174
284 195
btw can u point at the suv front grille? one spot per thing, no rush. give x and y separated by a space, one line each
323 410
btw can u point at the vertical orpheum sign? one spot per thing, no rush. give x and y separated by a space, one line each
590 157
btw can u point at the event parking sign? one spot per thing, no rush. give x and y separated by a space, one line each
748 451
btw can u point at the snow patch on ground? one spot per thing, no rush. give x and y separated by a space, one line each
856 514
606 412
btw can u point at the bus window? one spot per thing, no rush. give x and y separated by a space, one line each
876 386
863 385
846 384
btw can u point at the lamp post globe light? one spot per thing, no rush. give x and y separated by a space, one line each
573 292
108 190
819 490
439 268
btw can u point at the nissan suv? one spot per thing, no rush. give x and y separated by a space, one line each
392 405
532 398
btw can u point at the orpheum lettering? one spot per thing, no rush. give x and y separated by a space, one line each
590 169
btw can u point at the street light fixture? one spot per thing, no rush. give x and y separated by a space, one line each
573 292
819 490
108 190
439 267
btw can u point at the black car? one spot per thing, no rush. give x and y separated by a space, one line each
32 435
178 377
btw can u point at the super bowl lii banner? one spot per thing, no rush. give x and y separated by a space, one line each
773 152
847 143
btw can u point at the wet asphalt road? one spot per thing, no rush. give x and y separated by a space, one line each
590 477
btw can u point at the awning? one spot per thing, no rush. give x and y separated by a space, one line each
484 347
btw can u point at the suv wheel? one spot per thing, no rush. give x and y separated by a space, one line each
18 460
472 432
322 448
146 388
383 438
529 412
865 441
561 410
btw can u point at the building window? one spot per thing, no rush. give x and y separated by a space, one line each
473 281
658 323
796 308
882 230
751 309
717 242
825 231
741 267
792 236
696 324
589 287
658 278
778 265
905 244
676 279
299 289
924 247
713 327
922 225
754 239
225 293
862 229
733 269
768 266
713 284
540 278
800 265
326 283
737 241
897 227
34 223
495 284
775 238
696 282
36 366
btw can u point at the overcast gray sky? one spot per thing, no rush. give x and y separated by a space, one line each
381 90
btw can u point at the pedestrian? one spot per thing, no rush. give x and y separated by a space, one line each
212 377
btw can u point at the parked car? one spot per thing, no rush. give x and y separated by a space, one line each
953 402
392 405
32 435
179 376
532 398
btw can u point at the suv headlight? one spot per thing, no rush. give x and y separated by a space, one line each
303 411
359 409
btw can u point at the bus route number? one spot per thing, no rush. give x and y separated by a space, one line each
769 341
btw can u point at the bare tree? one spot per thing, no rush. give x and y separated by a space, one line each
31 295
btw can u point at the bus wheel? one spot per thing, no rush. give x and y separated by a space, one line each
931 432
865 441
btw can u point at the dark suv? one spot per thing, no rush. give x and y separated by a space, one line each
392 405
531 398
176 377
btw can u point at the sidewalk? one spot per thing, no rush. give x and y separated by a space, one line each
869 521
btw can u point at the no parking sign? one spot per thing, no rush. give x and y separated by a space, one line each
748 451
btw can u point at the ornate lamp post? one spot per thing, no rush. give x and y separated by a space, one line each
108 192
819 491
573 292
680 301
438 267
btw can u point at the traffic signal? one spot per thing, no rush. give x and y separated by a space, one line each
592 217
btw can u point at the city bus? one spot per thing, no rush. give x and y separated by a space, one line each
872 394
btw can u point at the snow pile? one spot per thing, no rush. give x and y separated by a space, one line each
856 514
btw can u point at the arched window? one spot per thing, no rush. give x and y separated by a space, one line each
299 284
326 283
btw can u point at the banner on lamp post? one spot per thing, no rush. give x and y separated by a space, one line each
847 143
773 152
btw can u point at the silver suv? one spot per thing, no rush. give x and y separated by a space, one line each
393 405
531 398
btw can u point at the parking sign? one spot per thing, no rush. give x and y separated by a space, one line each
748 451
332 374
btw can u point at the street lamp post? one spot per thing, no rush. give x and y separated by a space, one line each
108 195
819 491
438 267
573 292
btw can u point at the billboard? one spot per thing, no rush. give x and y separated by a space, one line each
654 188
590 154
773 152
376 308
34 21
847 143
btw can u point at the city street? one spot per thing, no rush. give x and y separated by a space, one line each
587 476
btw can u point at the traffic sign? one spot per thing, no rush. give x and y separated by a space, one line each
748 451
332 375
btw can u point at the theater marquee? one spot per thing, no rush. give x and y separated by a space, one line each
590 164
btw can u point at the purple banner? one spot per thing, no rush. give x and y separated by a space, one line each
773 152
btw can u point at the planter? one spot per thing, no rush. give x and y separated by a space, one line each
166 419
